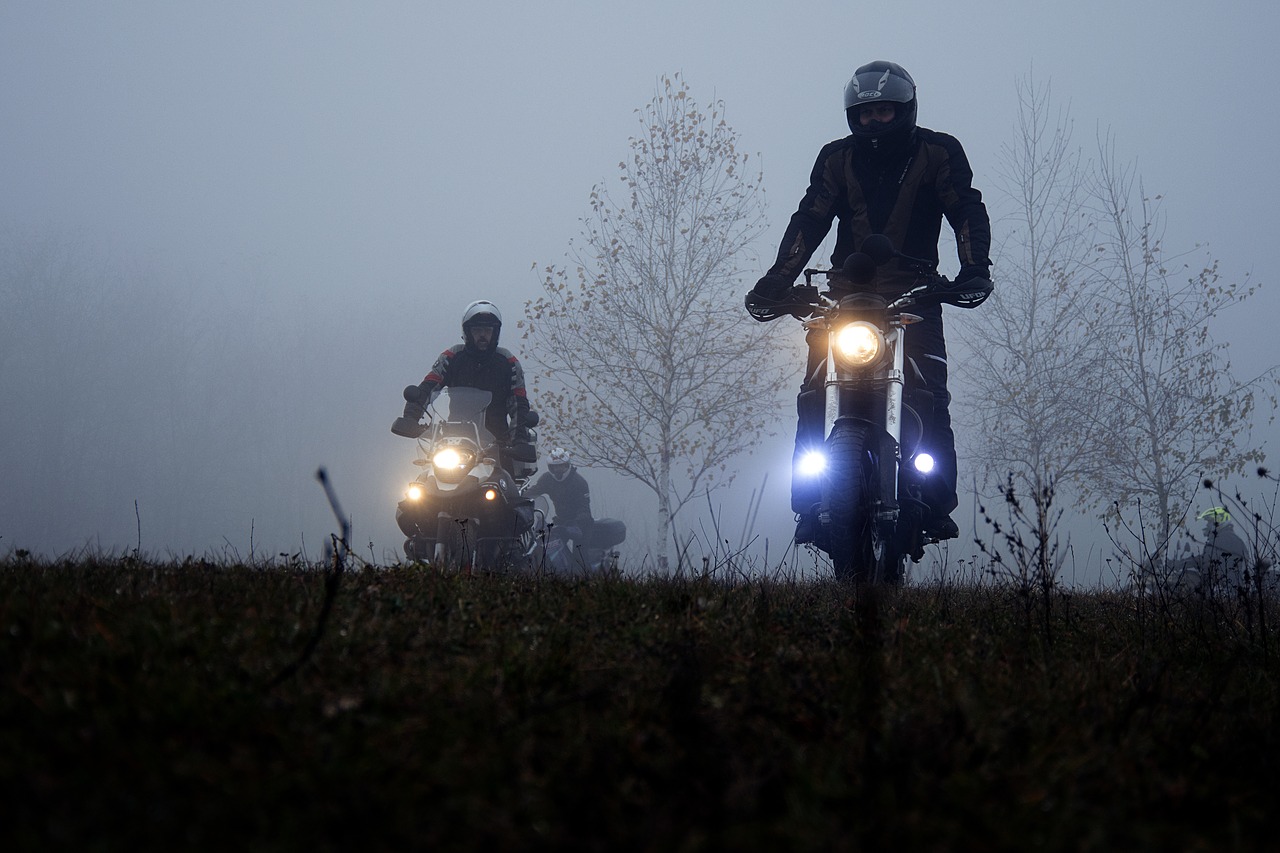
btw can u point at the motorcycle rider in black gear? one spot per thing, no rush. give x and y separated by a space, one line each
891 177
569 492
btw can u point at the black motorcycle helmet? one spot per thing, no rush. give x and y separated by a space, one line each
877 82
482 312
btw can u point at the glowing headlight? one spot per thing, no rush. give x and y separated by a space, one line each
448 459
491 494
414 492
811 464
923 463
859 343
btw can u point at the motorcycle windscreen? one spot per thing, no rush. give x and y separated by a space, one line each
463 406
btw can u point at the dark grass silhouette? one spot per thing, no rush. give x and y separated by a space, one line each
143 706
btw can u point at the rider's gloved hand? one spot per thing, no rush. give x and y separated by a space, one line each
771 286
413 410
761 301
972 271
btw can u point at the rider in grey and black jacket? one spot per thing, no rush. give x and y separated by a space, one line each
480 363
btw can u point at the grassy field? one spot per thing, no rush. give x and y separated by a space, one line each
199 706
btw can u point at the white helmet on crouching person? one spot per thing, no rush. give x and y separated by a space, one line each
559 465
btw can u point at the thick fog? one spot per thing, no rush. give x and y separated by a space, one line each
230 233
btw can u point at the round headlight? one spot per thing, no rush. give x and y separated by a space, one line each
859 343
447 459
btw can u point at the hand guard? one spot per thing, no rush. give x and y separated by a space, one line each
966 293
762 308
407 427
794 301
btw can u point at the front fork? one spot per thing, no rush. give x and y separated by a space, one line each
886 383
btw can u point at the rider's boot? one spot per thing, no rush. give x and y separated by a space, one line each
940 527
807 528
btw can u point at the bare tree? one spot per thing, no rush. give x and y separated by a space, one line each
643 360
1035 356
1099 371
1171 408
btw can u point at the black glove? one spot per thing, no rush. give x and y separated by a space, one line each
771 286
972 271
763 300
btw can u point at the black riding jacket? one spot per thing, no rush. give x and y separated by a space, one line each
571 496
495 370
903 196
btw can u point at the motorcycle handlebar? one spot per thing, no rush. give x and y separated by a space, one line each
801 300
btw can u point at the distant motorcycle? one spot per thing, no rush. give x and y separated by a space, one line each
465 509
872 463
567 550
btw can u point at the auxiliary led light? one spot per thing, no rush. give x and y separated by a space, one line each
414 492
491 494
812 464
924 463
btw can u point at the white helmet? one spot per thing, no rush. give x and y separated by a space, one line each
479 308
559 464
482 312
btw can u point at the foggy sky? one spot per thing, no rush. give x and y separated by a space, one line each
284 208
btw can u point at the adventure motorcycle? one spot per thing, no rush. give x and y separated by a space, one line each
872 462
465 508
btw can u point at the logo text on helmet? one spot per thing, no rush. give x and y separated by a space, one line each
865 95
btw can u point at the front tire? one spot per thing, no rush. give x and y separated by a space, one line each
862 548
